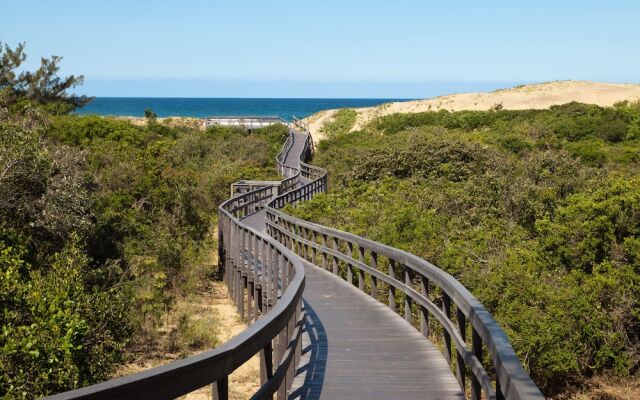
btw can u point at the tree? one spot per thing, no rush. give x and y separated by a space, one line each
150 116
43 86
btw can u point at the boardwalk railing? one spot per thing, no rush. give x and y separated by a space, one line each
412 287
259 272
247 122
266 281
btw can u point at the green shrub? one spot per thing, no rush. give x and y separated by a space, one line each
57 334
535 211
102 222
341 122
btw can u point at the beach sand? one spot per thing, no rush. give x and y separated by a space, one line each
535 96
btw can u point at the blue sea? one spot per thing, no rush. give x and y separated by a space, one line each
205 107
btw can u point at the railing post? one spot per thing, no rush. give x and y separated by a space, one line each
374 279
314 252
392 289
284 279
298 353
460 366
268 289
282 343
266 363
250 299
335 259
275 276
360 270
220 389
221 237
476 344
446 308
349 266
424 314
232 258
324 253
257 261
306 248
241 295
407 299
291 367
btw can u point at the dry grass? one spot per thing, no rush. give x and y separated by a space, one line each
196 322
211 319
601 388
174 122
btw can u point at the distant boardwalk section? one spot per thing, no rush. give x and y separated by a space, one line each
246 122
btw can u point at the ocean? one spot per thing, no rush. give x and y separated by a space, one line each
205 107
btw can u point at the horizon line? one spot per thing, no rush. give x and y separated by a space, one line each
256 98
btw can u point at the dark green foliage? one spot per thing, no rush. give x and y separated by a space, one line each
432 159
57 332
42 86
570 122
101 221
536 212
150 116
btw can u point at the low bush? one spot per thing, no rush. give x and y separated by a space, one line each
535 211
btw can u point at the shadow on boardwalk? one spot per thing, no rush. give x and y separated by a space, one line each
314 358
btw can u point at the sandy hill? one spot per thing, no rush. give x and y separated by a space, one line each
536 96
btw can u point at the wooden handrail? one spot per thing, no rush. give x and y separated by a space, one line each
422 285
266 281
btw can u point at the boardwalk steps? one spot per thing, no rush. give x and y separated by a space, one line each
334 315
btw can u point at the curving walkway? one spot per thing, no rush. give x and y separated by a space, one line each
354 347
346 344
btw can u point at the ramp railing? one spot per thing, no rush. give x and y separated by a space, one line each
429 298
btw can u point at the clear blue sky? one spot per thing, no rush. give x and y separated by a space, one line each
327 48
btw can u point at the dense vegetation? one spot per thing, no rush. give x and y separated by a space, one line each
536 212
341 122
102 223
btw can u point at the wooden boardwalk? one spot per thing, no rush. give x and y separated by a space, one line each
346 344
354 347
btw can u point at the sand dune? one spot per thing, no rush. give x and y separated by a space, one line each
536 96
